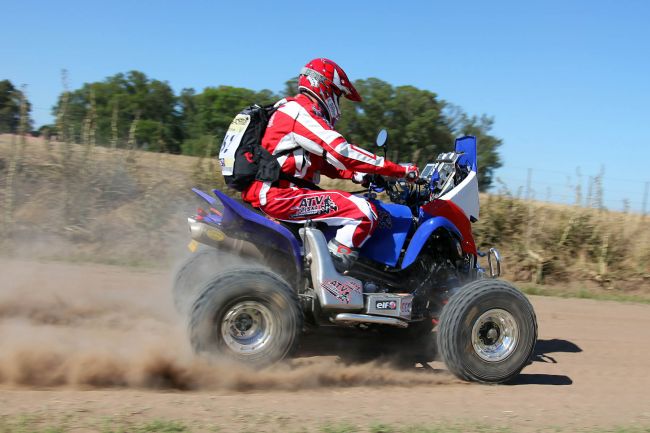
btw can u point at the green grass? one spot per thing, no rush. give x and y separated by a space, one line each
29 424
468 428
155 426
62 424
620 430
43 424
439 428
339 428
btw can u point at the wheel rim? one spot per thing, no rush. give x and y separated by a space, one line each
495 335
247 327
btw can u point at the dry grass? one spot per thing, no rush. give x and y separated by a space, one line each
568 246
87 203
107 205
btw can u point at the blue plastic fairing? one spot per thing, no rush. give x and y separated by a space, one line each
256 228
422 235
239 222
210 216
467 146
385 244
205 196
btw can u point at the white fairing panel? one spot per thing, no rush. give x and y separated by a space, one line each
465 196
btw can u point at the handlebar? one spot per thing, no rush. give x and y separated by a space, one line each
382 182
438 177
399 190
420 181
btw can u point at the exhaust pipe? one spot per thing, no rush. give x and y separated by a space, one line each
365 318
212 236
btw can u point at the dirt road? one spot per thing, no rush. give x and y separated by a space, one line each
102 341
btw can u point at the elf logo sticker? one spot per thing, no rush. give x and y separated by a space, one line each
386 305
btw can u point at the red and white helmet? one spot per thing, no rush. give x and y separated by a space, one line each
326 81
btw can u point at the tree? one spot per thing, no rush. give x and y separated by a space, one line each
413 117
135 96
420 125
291 87
10 100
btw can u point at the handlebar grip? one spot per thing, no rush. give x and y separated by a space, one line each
378 180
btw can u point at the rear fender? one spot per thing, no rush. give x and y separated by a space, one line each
422 235
212 216
239 222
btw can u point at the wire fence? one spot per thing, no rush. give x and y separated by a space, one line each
593 191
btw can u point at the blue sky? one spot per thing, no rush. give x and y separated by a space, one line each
568 82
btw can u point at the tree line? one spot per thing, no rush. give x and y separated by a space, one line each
146 113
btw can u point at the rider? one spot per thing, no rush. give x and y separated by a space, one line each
302 131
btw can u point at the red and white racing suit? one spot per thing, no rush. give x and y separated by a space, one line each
299 124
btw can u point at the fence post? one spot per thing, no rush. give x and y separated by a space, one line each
645 199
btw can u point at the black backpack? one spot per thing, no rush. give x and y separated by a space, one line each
241 153
242 157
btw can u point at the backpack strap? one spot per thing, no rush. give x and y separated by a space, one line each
302 183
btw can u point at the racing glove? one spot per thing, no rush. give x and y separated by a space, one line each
376 179
358 177
411 173
365 179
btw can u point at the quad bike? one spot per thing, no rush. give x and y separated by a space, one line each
259 282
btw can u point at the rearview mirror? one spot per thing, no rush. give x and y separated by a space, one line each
382 137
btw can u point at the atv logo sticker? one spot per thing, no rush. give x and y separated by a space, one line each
341 290
386 305
313 206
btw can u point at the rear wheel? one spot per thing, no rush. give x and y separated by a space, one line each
487 332
195 271
247 314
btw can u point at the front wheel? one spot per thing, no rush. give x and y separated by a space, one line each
250 315
487 332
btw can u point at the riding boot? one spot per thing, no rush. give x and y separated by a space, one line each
343 256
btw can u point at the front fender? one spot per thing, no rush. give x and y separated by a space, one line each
422 235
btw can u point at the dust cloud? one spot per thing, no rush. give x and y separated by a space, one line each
94 326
